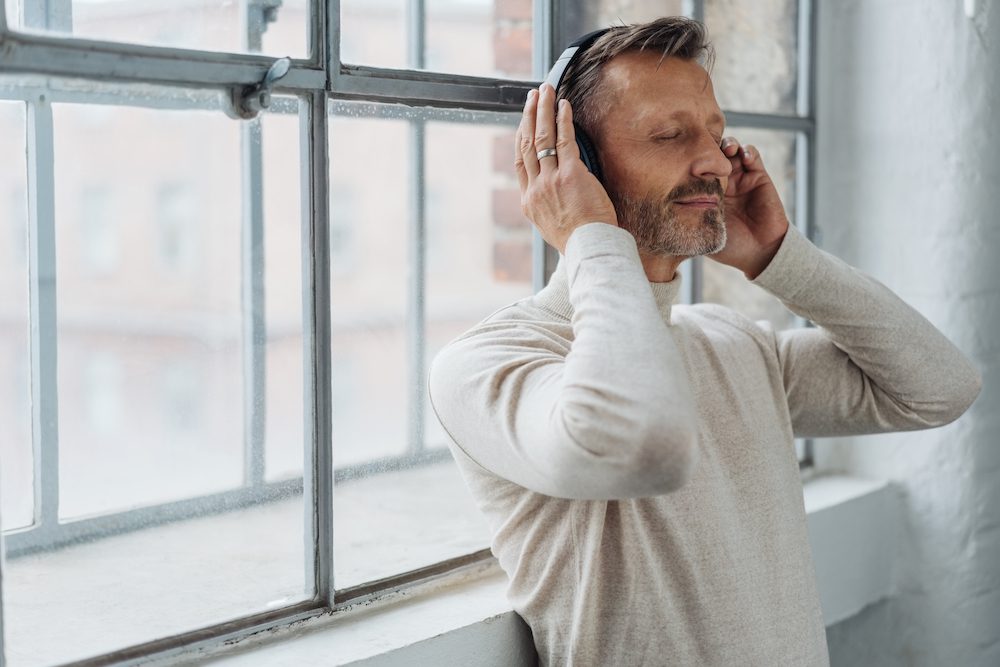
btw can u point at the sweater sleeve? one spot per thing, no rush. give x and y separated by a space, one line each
611 417
874 364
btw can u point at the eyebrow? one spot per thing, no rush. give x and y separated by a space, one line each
715 118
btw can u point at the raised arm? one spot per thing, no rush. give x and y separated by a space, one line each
613 415
612 418
874 364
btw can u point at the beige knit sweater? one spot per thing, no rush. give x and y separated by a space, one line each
635 459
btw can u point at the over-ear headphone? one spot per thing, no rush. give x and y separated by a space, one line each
588 152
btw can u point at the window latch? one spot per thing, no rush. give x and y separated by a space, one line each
248 101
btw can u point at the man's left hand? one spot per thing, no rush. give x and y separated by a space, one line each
755 218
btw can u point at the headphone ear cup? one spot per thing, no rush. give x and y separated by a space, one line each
588 152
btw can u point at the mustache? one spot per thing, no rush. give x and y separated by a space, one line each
699 187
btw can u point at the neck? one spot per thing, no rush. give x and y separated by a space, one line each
660 268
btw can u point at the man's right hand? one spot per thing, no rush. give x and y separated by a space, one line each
558 193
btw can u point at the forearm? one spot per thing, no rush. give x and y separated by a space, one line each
625 392
905 358
598 408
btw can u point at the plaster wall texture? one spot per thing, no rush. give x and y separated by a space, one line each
907 190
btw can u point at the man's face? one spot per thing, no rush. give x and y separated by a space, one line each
659 145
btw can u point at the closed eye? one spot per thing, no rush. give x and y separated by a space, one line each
666 137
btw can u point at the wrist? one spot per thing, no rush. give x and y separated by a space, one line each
565 238
763 258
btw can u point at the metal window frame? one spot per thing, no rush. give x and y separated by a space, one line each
124 64
320 82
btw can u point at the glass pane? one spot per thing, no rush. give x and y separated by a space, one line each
12 13
151 393
16 486
478 241
374 33
756 60
728 286
148 259
411 510
276 27
369 266
579 18
456 32
285 434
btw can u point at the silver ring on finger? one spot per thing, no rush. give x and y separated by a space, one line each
546 152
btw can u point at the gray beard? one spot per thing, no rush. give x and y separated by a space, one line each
658 231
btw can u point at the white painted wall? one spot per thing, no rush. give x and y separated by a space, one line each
908 181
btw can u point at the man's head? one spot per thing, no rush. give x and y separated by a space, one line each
643 95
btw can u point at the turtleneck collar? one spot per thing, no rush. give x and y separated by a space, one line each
555 295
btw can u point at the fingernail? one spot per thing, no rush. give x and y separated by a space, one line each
746 152
562 104
531 94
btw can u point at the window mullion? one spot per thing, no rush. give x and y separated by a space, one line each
42 293
692 272
416 20
806 57
417 285
805 149
322 30
417 239
56 15
254 335
318 465
694 9
331 21
253 297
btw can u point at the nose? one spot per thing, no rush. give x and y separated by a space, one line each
710 161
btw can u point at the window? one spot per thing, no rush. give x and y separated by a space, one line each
217 350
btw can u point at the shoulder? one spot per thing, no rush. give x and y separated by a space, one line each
516 335
522 325
722 320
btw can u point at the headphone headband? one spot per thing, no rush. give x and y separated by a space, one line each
555 75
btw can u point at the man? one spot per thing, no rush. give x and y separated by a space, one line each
635 458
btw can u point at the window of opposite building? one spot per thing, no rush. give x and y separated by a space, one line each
217 348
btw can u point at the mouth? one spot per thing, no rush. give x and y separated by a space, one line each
699 202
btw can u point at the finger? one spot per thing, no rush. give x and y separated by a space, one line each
751 158
566 133
545 127
734 152
526 137
730 147
522 174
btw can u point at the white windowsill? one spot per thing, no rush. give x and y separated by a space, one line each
471 622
